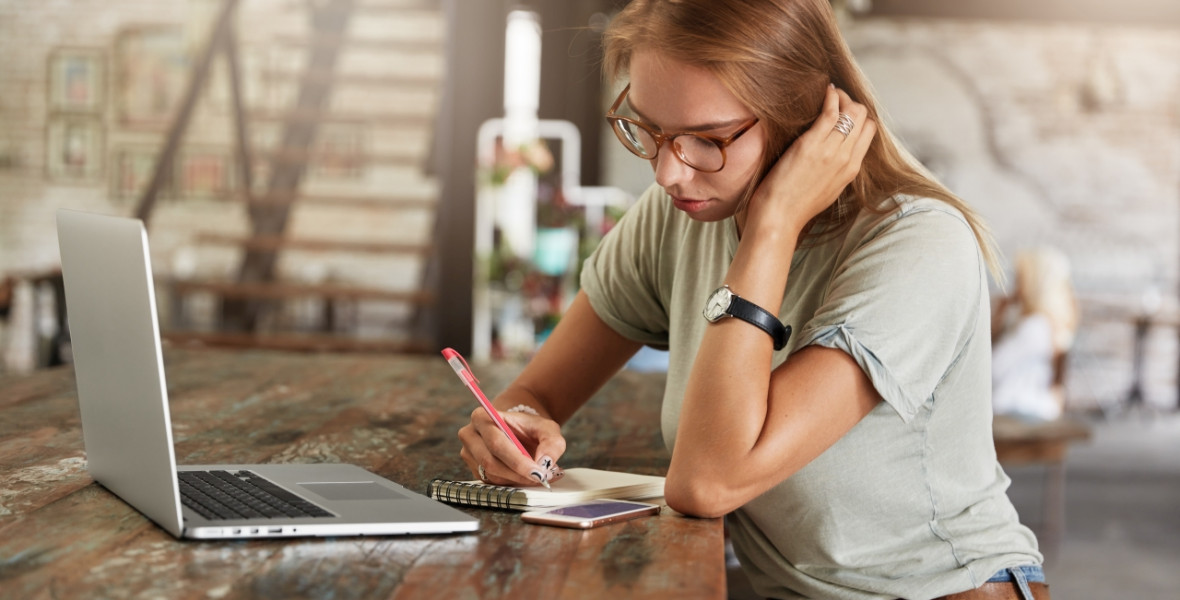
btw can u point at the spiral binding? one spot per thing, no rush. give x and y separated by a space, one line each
472 494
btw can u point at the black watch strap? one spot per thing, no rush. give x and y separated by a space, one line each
757 316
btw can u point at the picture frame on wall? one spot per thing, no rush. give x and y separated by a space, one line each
77 80
203 174
151 64
74 147
131 171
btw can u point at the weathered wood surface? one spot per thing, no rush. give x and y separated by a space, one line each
63 536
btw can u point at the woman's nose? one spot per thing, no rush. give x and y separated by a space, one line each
670 169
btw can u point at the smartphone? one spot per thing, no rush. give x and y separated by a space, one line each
585 515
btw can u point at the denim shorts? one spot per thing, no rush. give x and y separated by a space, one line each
1022 576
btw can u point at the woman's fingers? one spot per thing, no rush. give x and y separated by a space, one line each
851 116
853 133
816 168
484 445
860 147
486 465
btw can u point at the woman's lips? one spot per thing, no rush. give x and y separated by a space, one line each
689 205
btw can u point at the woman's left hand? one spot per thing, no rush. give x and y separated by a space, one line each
815 169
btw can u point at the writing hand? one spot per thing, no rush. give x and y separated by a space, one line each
484 445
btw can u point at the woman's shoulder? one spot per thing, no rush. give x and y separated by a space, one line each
903 206
902 216
907 230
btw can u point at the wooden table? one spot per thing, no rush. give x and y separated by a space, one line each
1021 443
63 536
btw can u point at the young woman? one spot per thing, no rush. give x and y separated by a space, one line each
851 454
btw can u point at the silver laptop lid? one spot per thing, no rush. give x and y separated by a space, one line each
111 303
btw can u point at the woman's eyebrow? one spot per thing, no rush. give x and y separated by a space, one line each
696 129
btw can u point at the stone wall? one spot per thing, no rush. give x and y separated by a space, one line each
1060 135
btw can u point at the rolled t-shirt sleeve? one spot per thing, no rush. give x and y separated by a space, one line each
621 277
904 302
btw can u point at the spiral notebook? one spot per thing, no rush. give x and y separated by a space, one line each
578 485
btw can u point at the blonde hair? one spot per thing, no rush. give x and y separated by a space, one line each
1044 286
778 56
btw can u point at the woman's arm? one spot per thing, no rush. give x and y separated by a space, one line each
580 356
743 428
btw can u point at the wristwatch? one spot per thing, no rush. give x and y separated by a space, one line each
724 303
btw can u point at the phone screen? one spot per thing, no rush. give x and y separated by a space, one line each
591 514
595 511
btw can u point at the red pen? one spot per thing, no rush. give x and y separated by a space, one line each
464 372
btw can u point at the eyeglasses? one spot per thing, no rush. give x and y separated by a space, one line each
705 153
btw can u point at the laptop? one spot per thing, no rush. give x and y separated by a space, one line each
127 429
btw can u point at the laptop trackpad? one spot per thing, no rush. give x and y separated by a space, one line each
352 490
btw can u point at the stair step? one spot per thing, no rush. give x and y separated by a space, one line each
292 156
296 342
282 291
398 6
324 76
321 245
346 118
424 47
384 201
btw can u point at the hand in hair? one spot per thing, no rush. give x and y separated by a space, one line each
814 170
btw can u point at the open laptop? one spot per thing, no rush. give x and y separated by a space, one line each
127 429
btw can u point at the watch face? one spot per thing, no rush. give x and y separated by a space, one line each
718 303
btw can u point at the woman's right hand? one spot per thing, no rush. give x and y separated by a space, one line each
810 176
503 464
558 380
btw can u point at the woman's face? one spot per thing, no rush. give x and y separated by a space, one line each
671 97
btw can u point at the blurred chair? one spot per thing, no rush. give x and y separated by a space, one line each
33 309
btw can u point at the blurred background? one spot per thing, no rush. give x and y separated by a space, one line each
403 175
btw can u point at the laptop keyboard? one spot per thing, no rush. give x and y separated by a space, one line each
219 495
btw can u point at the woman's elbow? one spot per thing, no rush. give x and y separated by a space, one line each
698 498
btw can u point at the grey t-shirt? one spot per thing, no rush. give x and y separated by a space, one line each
911 502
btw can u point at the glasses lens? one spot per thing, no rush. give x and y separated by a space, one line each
700 153
635 138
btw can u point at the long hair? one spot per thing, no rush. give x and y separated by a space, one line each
778 57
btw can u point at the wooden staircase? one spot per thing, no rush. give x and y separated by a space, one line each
330 177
